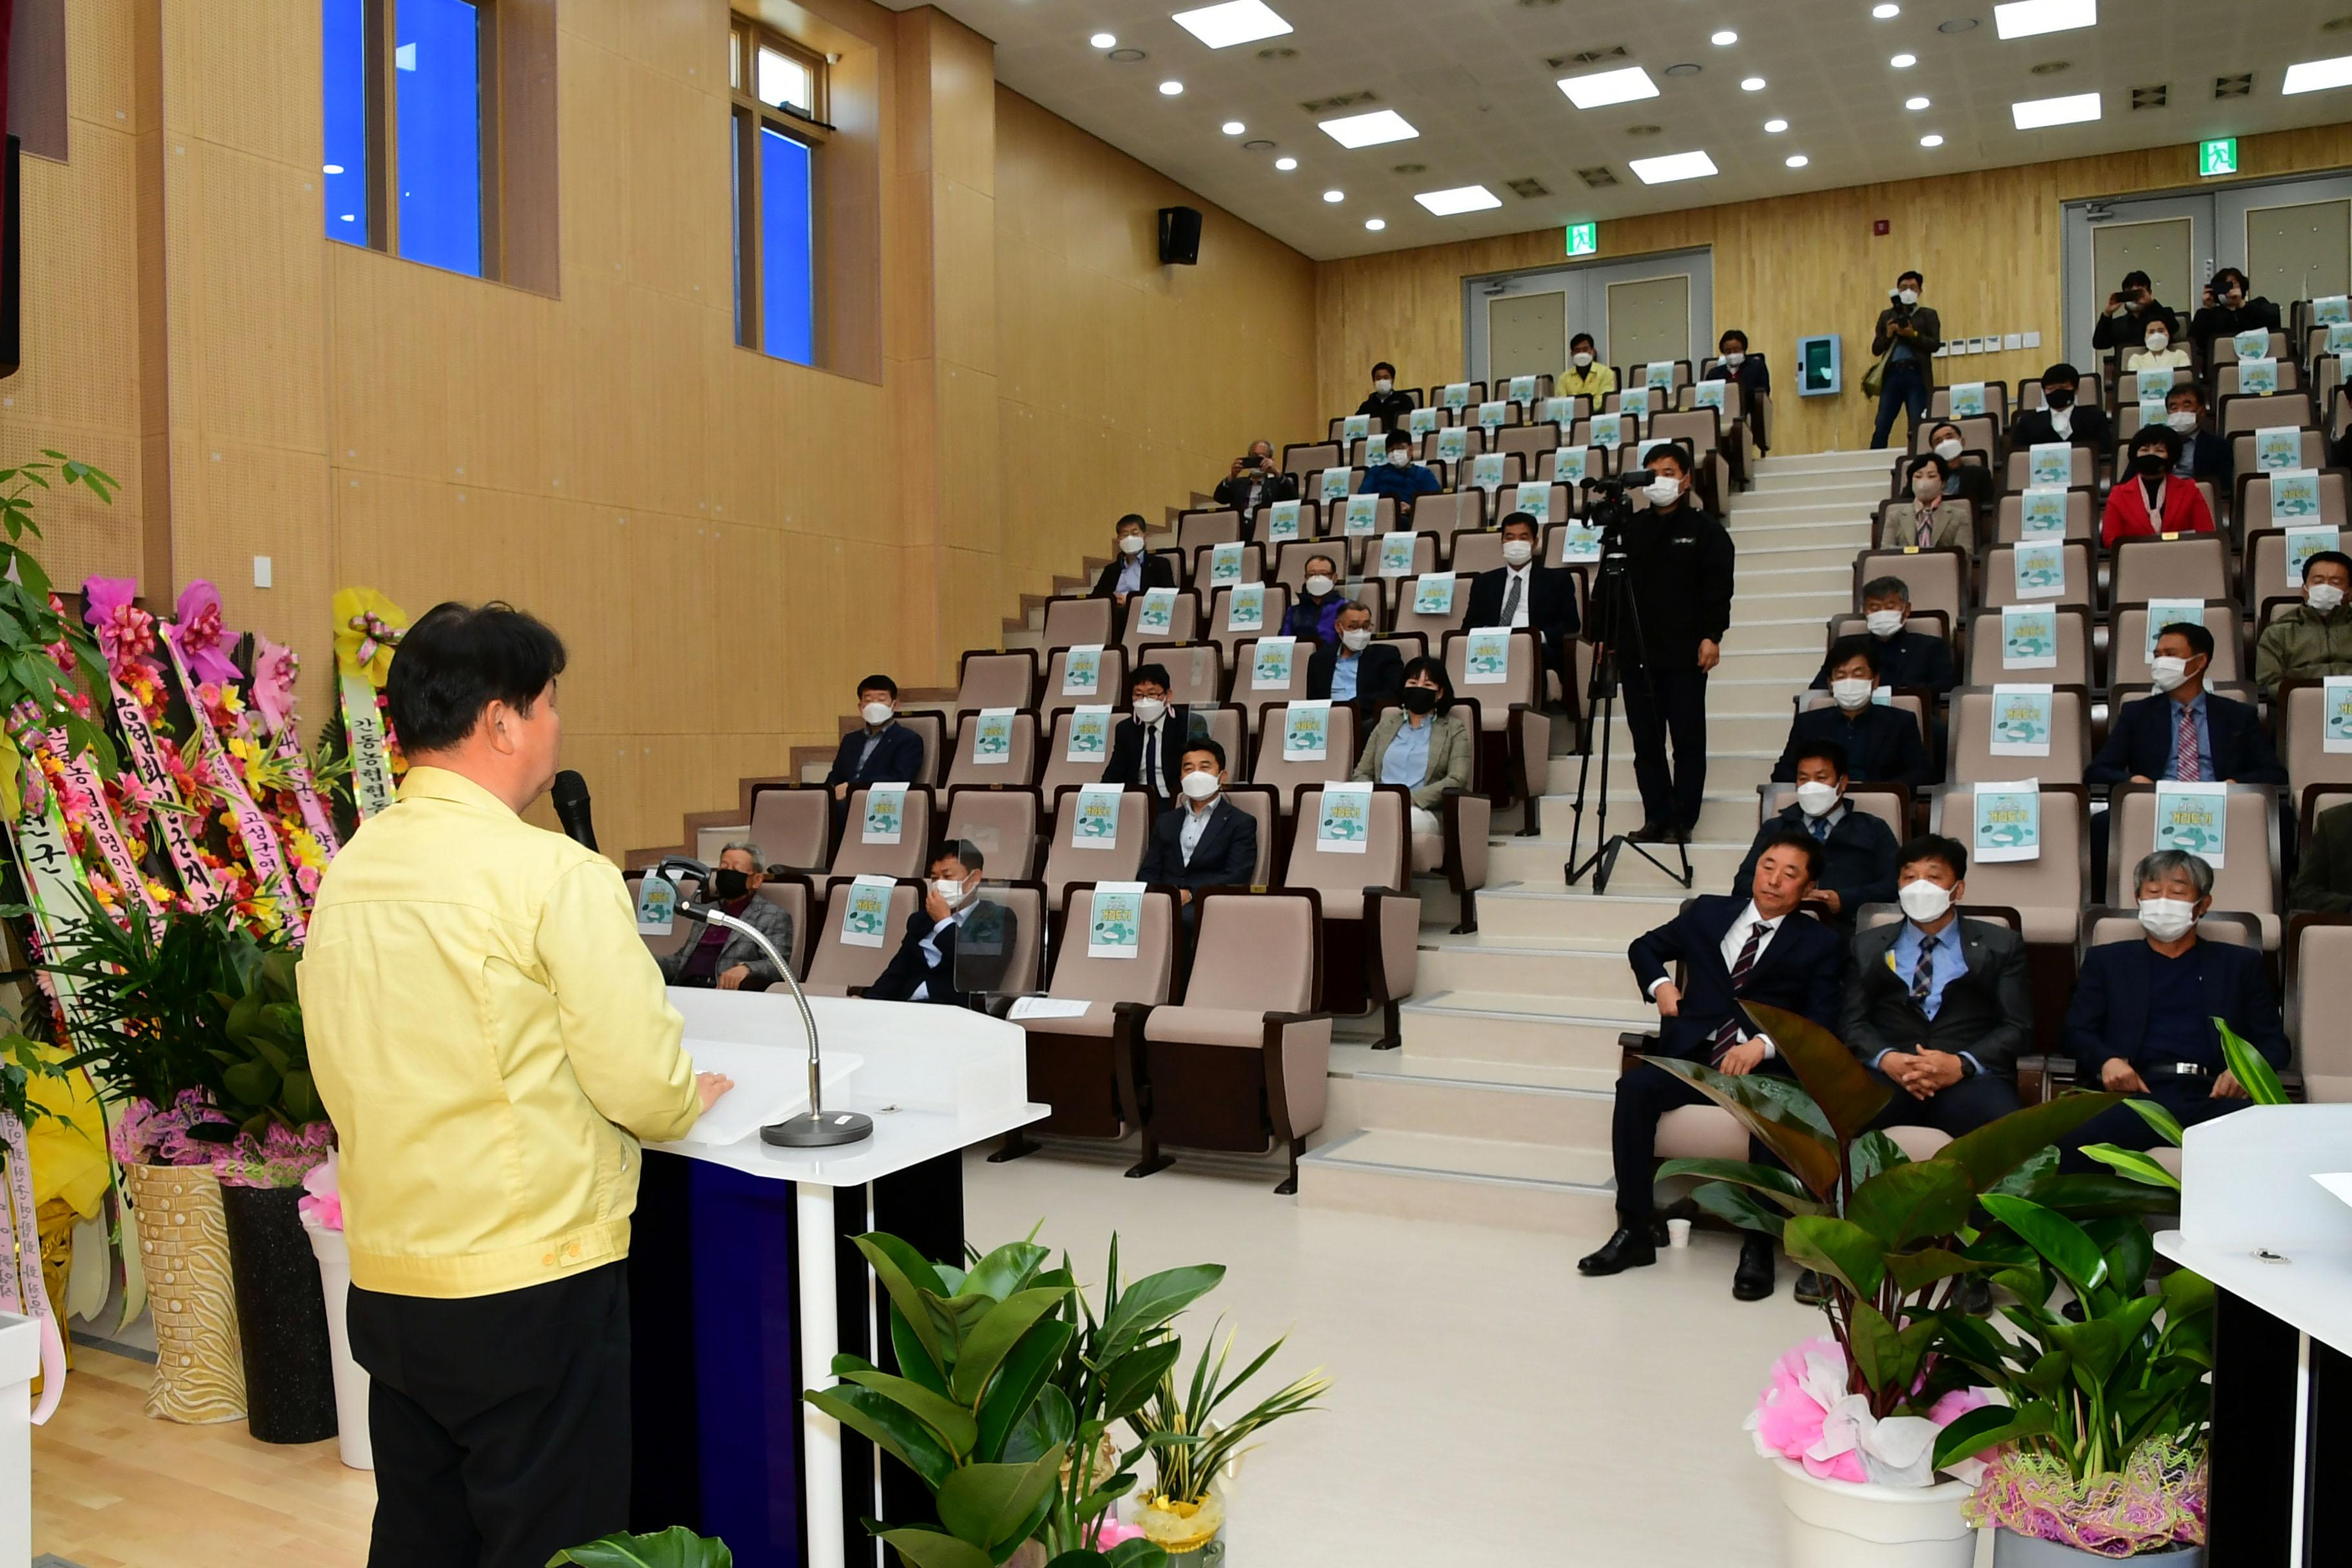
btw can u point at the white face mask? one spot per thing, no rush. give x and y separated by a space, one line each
1924 900
1518 552
1319 584
2323 596
877 712
1200 785
1357 639
1663 490
1149 709
2158 341
1814 798
949 890
1853 696
2167 919
1383 385
1581 359
1884 623
1130 544
1947 450
1734 358
1908 296
1400 455
2167 673
2183 420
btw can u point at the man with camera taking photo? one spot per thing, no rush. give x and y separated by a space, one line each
1905 342
1256 481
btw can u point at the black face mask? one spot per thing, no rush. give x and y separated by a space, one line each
2149 463
2059 400
1419 700
730 885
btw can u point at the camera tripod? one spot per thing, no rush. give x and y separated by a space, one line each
1619 618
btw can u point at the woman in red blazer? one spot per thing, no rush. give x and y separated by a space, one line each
2149 498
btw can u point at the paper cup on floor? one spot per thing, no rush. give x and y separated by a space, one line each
1678 1233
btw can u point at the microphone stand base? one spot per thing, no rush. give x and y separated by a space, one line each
823 1131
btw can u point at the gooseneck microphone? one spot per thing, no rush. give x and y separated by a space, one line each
569 794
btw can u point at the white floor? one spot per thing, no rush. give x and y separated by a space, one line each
1490 1401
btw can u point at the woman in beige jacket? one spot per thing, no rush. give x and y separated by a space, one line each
1930 519
1423 747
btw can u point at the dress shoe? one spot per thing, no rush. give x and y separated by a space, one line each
1812 1289
1752 1281
1651 833
1631 1248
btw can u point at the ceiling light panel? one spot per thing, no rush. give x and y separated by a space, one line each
1461 199
2040 112
1368 130
1602 88
2024 18
1234 22
2317 76
1673 166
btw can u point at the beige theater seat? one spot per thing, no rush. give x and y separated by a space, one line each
1371 918
1067 861
1001 821
793 825
911 856
1059 772
1286 778
2150 566
2246 882
2047 892
2318 999
838 967
1018 767
1973 761
1075 621
2073 666
1111 684
997 679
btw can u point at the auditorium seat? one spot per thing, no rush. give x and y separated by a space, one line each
1987 648
661 944
1979 432
1227 724
2001 577
2301 713
1304 459
1196 670
1432 629
1075 622
2082 516
1215 567
1371 918
839 966
1274 767
793 825
1450 512
2318 1000
1060 692
1529 441
1070 861
2248 880
2314 453
2253 504
909 857
2127 642
1938 577
1059 770
1196 529
793 895
2046 891
1016 765
1001 820
1183 621
2183 566
1243 1063
1914 700
2226 382
986 680
2245 412
1890 803
1084 1065
1265 811
1274 607
2020 470
1254 694
1996 404
2225 350
1974 710
1514 731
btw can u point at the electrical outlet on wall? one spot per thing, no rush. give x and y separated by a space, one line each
2033 340
2012 340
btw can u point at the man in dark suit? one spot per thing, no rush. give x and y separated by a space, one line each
1256 481
2203 455
1753 375
1389 403
1352 669
957 946
2141 1022
1147 749
1521 593
1939 1006
1906 657
1131 572
1204 840
1758 949
882 751
1857 849
1881 743
2064 418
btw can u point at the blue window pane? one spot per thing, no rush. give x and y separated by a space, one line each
787 325
343 99
735 173
438 111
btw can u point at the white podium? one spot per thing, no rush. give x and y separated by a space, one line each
2278 1245
743 1284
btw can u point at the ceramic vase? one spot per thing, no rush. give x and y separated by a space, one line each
289 1368
1848 1524
183 1251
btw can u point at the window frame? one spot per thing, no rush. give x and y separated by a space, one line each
381 45
749 116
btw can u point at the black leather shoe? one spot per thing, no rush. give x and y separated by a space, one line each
1812 1289
1630 1247
1752 1281
1651 833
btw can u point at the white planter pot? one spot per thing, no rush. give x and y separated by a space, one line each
1840 1524
351 1378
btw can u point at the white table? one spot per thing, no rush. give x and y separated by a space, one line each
720 1258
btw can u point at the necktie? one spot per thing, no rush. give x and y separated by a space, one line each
1820 826
2184 747
1922 973
1728 1035
1152 780
1511 599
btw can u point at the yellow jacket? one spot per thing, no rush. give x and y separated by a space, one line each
488 1033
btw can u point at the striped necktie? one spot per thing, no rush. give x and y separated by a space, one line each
1922 973
1728 1035
2185 765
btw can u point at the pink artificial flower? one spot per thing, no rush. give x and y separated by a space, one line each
1111 1533
307 878
324 1199
1808 1378
1957 1404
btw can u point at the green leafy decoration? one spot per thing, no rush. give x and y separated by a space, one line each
677 1547
1839 1247
1767 1115
2251 1069
1910 1203
1996 1149
1848 1094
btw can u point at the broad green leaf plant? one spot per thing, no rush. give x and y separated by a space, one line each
2253 1074
1885 1232
29 627
677 1547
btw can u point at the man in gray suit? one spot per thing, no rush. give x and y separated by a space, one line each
1938 1005
714 955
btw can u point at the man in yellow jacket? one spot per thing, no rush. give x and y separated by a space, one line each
493 1040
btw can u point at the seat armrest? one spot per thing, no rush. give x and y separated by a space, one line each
1635 1043
1392 942
1467 821
1297 1048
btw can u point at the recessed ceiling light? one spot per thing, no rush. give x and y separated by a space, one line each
1376 223
1234 22
1931 140
1368 130
1903 62
2317 76
1725 39
1776 126
1171 88
1335 195
1126 57
1257 144
1957 25
1885 12
1673 166
1687 67
1285 164
1751 84
2023 18
1602 88
2041 111
1796 160
1232 127
1103 41
1461 199
331 168
1915 103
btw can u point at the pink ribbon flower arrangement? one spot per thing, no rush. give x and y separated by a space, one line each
1805 1415
322 1201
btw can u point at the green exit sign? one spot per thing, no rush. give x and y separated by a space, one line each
1584 238
2218 157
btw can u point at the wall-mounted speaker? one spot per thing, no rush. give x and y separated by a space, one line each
1180 236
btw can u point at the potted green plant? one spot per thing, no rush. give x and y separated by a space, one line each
2098 1449
677 1547
1849 1421
1193 1453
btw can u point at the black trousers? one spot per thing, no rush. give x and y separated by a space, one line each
500 1422
1643 1095
2190 1100
1669 796
1960 1108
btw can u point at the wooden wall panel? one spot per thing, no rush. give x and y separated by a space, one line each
1989 243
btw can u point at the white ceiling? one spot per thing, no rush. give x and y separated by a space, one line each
1472 76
